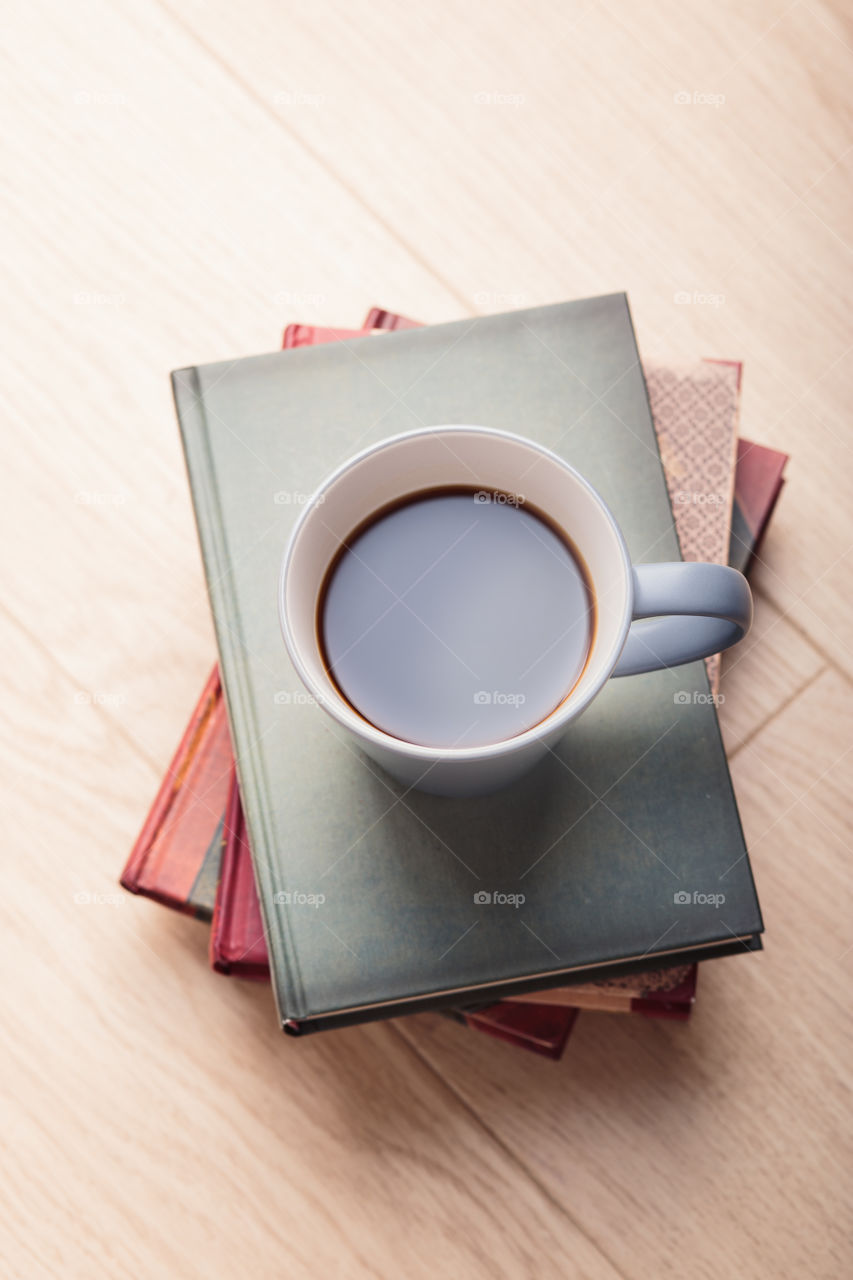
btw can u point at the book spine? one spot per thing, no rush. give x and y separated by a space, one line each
132 872
494 995
377 318
186 389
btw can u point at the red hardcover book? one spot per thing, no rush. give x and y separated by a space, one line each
758 483
237 937
376 318
311 335
541 1028
175 859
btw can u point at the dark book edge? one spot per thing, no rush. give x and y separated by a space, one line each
186 391
427 1004
759 480
225 958
204 887
224 889
513 1025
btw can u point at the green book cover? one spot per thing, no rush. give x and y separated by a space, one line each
622 850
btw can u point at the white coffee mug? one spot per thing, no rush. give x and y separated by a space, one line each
690 610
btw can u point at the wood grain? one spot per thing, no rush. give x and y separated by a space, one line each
180 181
733 1135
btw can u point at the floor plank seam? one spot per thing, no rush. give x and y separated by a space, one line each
125 735
508 1151
801 631
783 706
388 228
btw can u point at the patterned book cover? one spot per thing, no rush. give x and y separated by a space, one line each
695 410
658 993
175 859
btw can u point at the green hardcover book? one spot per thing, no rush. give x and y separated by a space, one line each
621 851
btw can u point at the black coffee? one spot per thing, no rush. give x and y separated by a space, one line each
456 618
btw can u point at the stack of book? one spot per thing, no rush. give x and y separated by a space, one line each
602 879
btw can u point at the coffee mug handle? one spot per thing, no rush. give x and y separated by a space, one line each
683 612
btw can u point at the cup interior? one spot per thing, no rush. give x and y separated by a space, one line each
433 458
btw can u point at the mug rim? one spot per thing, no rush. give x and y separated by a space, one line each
556 721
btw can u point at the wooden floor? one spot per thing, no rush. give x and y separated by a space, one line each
181 180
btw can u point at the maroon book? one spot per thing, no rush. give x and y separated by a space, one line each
376 318
175 859
311 335
758 483
541 1028
676 1003
237 937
